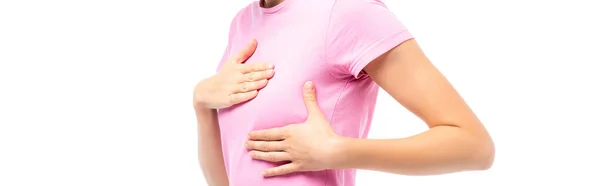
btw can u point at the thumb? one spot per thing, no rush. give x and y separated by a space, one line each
245 53
310 100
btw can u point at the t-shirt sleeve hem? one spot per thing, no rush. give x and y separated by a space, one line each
377 50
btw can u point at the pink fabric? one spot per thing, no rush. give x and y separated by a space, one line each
326 41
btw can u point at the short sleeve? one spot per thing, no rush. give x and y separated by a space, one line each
359 32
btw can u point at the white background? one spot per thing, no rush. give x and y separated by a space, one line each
99 92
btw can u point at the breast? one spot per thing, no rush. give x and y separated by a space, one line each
281 102
297 59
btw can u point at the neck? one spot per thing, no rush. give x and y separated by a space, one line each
269 3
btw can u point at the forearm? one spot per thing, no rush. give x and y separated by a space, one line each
440 150
209 147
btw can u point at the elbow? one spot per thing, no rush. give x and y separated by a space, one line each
486 153
487 161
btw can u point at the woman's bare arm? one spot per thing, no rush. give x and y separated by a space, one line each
209 147
235 82
456 139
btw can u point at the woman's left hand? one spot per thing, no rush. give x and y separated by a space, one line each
309 146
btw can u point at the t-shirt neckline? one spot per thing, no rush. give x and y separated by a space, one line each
275 8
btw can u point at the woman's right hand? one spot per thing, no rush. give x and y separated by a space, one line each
236 82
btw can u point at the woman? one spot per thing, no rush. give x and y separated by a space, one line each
302 118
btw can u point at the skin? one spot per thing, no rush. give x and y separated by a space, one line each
236 82
270 3
456 140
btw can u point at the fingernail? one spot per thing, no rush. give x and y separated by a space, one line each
270 65
263 173
308 85
269 72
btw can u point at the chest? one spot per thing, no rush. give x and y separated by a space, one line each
298 58
292 48
296 51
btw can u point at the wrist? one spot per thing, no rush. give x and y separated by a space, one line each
342 154
200 94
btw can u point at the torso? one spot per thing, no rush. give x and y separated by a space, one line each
295 44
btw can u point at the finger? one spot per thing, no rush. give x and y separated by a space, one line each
270 156
274 134
250 86
265 146
281 170
256 67
259 75
245 53
241 97
310 99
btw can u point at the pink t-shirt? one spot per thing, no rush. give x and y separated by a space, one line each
328 42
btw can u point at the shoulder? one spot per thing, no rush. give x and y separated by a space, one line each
357 9
365 15
242 19
359 13
356 6
243 14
